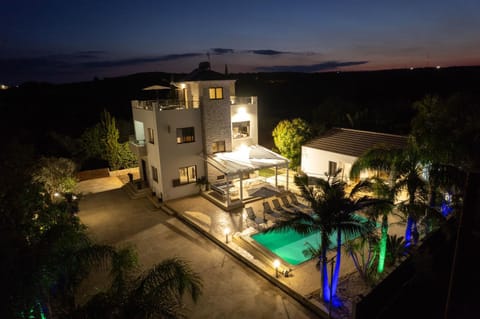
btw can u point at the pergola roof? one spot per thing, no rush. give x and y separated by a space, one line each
246 159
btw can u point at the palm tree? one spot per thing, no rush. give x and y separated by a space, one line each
382 190
363 251
156 293
332 210
54 263
405 173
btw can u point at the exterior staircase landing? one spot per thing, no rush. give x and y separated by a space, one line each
136 189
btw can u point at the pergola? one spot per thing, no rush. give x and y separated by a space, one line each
244 160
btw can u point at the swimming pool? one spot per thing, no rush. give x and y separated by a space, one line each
289 245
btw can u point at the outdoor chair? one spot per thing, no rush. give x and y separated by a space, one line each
280 208
295 201
299 206
253 217
268 210
285 202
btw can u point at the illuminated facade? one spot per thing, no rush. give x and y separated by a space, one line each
339 148
179 141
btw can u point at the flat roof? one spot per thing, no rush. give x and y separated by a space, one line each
354 142
245 159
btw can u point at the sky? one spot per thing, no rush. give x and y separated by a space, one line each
70 41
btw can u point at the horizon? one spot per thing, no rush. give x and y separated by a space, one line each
59 42
7 86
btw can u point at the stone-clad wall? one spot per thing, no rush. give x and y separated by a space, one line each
216 117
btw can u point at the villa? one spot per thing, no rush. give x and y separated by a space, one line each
207 135
338 148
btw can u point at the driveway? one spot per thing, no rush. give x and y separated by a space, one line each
231 290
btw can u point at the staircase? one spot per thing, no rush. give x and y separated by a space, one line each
136 190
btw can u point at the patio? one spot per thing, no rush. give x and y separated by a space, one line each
232 230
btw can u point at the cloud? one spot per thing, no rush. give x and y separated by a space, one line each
140 60
267 52
89 54
325 66
221 51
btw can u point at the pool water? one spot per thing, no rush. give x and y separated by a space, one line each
289 245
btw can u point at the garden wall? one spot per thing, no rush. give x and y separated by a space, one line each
105 172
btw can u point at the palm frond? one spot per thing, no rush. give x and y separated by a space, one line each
301 223
313 252
378 158
171 278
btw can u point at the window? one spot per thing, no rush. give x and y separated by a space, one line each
151 138
185 135
187 174
241 129
332 168
154 174
215 93
218 146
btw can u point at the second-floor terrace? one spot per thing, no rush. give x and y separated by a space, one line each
173 104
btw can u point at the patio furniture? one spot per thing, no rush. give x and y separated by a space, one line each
221 188
253 217
278 207
285 201
277 214
299 206
295 201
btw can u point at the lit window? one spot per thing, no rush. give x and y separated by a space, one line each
241 129
218 146
215 93
154 174
185 135
151 135
187 174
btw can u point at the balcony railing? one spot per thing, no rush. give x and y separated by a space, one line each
164 104
136 142
180 104
243 100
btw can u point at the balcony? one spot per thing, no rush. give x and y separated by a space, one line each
161 105
236 100
137 147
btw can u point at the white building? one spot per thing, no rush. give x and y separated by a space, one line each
339 148
205 132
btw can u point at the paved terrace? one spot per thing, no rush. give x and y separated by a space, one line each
231 289
115 219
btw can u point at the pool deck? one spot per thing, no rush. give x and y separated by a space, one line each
211 221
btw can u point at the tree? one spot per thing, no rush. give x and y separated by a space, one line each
156 293
363 252
57 175
102 142
333 211
449 131
382 190
289 136
405 170
47 254
91 143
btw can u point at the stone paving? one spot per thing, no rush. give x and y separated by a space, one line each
231 290
115 219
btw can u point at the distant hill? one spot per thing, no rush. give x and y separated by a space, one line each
379 100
